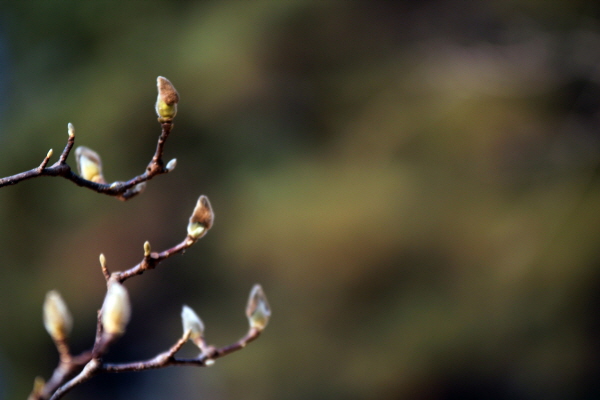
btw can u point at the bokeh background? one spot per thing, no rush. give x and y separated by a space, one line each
414 183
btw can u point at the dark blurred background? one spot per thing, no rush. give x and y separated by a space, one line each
414 183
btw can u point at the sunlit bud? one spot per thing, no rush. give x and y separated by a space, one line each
71 129
171 165
202 218
116 309
258 310
166 103
49 153
147 249
102 261
193 324
89 164
57 318
38 387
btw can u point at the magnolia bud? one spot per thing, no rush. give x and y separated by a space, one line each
193 324
202 218
171 165
147 249
71 130
258 310
57 318
38 388
166 103
89 164
116 309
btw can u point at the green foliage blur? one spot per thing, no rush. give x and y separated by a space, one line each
414 184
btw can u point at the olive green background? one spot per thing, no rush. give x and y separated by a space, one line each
415 185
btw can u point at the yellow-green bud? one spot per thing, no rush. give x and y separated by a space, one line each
166 103
258 310
57 318
116 309
147 249
38 388
201 220
89 164
193 324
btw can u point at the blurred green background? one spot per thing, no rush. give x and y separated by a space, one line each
414 183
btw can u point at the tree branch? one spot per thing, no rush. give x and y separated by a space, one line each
121 190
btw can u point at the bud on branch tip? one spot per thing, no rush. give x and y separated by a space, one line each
166 103
202 218
192 323
258 310
57 318
89 164
71 129
116 309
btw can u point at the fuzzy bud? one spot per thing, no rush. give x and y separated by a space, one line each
258 310
201 220
171 165
89 164
147 249
193 324
71 130
166 103
57 318
116 309
38 388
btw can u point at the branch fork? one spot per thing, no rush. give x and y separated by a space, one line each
113 317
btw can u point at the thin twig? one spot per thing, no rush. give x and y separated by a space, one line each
168 358
152 261
88 371
121 190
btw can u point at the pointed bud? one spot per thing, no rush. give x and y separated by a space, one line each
89 164
258 310
193 324
166 103
38 388
102 261
202 218
50 152
71 130
57 318
116 309
147 249
171 165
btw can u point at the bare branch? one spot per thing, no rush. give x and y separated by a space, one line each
121 190
114 315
